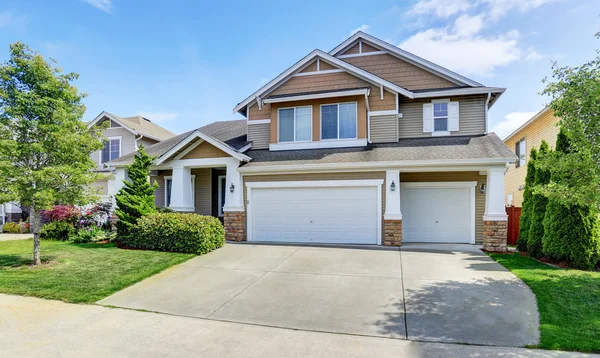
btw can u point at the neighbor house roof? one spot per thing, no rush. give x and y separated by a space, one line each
231 133
445 150
531 120
138 125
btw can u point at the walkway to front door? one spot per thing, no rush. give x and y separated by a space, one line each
448 293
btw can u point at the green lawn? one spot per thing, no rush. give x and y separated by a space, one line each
568 301
77 272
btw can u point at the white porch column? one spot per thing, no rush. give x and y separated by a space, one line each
234 200
494 198
118 181
181 189
392 196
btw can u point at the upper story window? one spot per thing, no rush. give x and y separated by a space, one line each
521 152
339 121
295 124
440 117
112 150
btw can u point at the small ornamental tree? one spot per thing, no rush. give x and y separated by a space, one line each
538 207
526 211
570 231
136 198
45 147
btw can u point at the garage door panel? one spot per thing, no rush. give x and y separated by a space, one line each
432 214
327 215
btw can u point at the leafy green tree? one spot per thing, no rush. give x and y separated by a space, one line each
538 206
45 147
575 99
526 210
136 198
570 231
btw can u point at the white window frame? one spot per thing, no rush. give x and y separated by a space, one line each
522 153
120 138
219 190
433 117
294 108
338 121
192 183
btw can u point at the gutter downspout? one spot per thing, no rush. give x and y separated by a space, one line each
136 141
487 103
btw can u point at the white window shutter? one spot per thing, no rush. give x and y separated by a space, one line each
427 117
453 120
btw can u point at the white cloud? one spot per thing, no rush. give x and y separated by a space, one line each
534 56
461 49
499 8
363 28
442 8
510 123
158 117
467 25
104 5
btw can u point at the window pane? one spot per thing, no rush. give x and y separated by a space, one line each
440 109
303 126
329 128
106 152
286 125
440 124
169 184
348 120
115 150
522 152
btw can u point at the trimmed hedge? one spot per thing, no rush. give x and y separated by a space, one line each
56 230
176 232
11 228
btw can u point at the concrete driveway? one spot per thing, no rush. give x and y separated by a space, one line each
444 293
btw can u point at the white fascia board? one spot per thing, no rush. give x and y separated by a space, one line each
358 92
459 92
113 118
391 112
315 183
440 184
403 165
407 56
258 121
336 143
197 134
358 72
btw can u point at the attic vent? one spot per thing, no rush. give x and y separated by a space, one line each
146 119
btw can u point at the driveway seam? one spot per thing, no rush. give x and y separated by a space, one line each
251 283
403 295
336 274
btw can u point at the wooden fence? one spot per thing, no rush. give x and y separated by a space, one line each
514 215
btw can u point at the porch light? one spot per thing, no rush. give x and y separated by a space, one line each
232 188
482 188
393 186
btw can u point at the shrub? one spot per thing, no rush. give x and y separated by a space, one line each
98 216
91 234
66 213
56 230
23 227
177 232
525 220
164 209
12 228
538 208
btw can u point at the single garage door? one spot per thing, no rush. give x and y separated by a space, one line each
340 215
437 213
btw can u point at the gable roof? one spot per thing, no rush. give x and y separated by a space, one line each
531 120
298 66
231 133
406 56
137 125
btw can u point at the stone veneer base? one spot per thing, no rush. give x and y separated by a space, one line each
235 225
392 232
494 235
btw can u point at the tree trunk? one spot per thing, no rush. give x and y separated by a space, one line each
34 221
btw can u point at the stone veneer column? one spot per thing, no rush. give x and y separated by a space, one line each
392 232
494 235
235 225
495 220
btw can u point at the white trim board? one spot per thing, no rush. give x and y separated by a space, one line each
259 121
324 72
337 143
358 92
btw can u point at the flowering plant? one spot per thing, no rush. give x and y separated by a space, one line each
66 213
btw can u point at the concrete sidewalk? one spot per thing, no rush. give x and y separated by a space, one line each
34 327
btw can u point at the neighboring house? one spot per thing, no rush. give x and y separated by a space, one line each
542 126
365 144
10 212
124 136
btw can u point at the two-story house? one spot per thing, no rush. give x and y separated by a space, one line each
124 136
542 126
364 144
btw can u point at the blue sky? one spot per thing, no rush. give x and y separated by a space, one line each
184 64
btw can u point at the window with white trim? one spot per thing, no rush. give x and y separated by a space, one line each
521 152
111 150
169 187
440 117
339 121
295 124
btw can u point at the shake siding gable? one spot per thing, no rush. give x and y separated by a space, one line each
205 150
352 50
310 68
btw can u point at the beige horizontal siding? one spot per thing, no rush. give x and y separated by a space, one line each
259 135
159 193
203 191
384 129
456 176
471 116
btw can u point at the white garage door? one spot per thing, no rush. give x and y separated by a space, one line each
341 215
437 213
